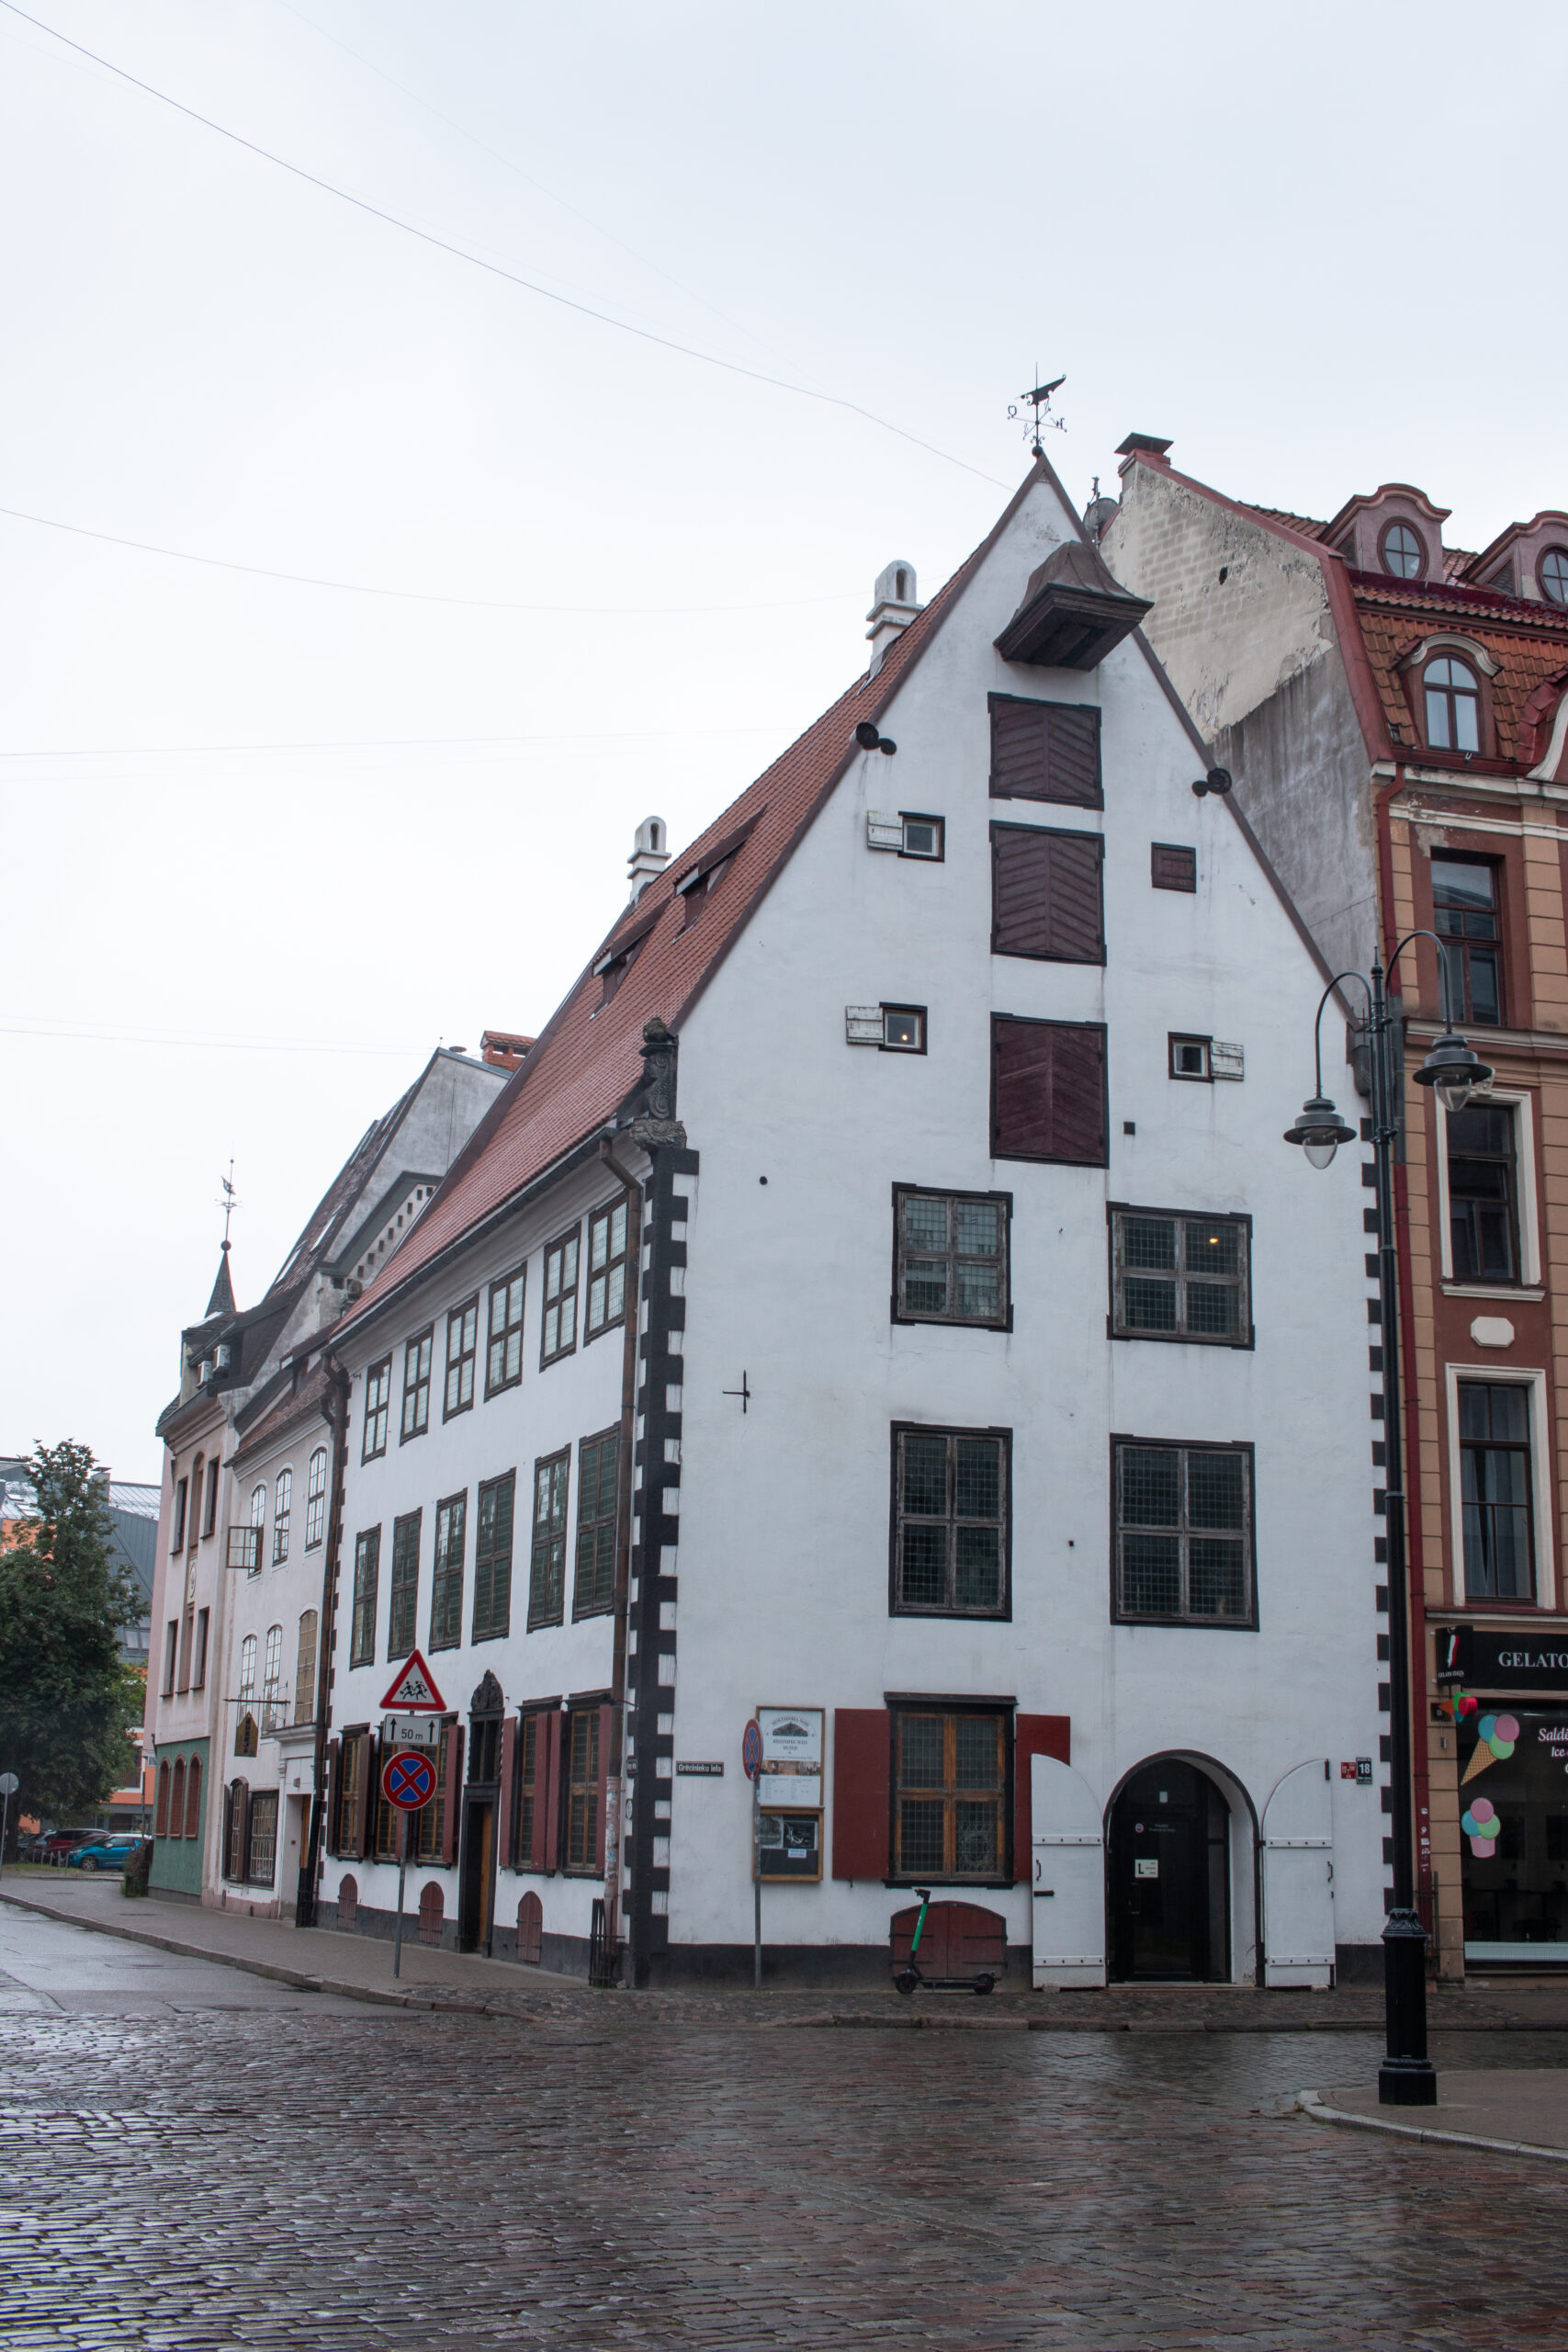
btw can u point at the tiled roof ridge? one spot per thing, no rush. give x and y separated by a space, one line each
1376 587
578 1076
1309 526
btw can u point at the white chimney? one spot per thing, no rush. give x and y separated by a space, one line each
893 606
650 855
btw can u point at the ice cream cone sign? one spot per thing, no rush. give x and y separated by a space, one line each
1495 1736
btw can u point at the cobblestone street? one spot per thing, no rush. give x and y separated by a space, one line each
204 2160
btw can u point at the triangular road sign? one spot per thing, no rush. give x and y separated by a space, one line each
413 1693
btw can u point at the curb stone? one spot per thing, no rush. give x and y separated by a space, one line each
1312 2103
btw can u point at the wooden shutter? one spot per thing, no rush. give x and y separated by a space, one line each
452 1811
1045 751
1033 1735
547 1797
861 1822
334 1794
534 1859
1171 867
1048 1091
606 1717
506 1808
1046 898
365 1759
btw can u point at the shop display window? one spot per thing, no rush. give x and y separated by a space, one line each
1514 1843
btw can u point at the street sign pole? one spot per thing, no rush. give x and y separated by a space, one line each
402 1873
8 1785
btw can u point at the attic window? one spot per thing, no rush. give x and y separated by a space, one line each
699 881
622 953
1401 552
1553 575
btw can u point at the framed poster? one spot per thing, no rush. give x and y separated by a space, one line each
790 1845
792 1756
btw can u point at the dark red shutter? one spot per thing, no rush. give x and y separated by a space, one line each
334 1793
861 1828
550 1788
1045 751
1172 867
606 1715
367 1762
506 1809
1048 1091
452 1811
1045 894
1033 1735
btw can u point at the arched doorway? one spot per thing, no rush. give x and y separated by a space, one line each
1169 1876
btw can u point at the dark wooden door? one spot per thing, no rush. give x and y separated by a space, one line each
477 1877
1169 1876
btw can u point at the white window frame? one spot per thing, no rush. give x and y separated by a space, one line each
1543 1479
1522 1105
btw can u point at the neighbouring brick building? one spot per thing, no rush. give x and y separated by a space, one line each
1394 712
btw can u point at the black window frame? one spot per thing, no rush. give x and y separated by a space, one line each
366 1583
542 1608
491 1555
1459 946
210 1499
954 1435
1513 1447
1116 1326
467 1357
420 1352
615 1260
899 1313
378 1408
938 856
1003 1712
917 1012
510 1335
447 1576
1174 849
1204 1077
1509 1164
570 1239
1245 1622
598 1598
403 1585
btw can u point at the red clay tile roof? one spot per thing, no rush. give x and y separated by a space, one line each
1305 524
586 1060
1528 642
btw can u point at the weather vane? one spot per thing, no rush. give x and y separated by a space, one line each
1038 399
229 1204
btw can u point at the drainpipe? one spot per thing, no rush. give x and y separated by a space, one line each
1420 1770
335 1412
613 1769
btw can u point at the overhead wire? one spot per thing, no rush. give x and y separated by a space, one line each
397 743
402 595
495 269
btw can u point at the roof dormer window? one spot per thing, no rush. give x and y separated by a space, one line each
1452 695
1402 553
1552 574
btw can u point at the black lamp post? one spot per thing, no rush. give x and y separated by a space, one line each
1406 2077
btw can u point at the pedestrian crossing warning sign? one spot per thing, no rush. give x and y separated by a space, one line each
413 1693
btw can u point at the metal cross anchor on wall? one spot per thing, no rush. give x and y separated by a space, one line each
742 1392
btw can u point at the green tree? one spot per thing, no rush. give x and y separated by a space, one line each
67 1698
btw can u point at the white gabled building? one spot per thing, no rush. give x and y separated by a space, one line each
883 1297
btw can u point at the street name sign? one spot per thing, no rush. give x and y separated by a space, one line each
414 1691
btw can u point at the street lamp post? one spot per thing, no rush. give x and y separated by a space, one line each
1406 2077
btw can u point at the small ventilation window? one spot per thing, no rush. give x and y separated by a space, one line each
1171 867
922 836
903 1028
1190 1058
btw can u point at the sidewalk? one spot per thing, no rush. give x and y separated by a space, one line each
1520 2113
360 1968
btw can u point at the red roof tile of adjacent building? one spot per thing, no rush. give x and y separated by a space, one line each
1305 524
587 1059
1528 640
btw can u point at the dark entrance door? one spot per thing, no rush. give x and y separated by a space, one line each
477 1879
1169 1876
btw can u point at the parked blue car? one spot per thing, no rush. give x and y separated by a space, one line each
102 1854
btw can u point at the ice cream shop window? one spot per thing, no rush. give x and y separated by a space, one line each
1514 1833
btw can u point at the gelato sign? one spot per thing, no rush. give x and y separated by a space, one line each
1485 1659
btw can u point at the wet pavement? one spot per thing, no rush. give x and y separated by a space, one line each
293 2170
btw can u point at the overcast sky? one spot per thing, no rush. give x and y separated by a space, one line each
264 844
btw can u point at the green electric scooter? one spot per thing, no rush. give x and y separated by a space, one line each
912 1975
